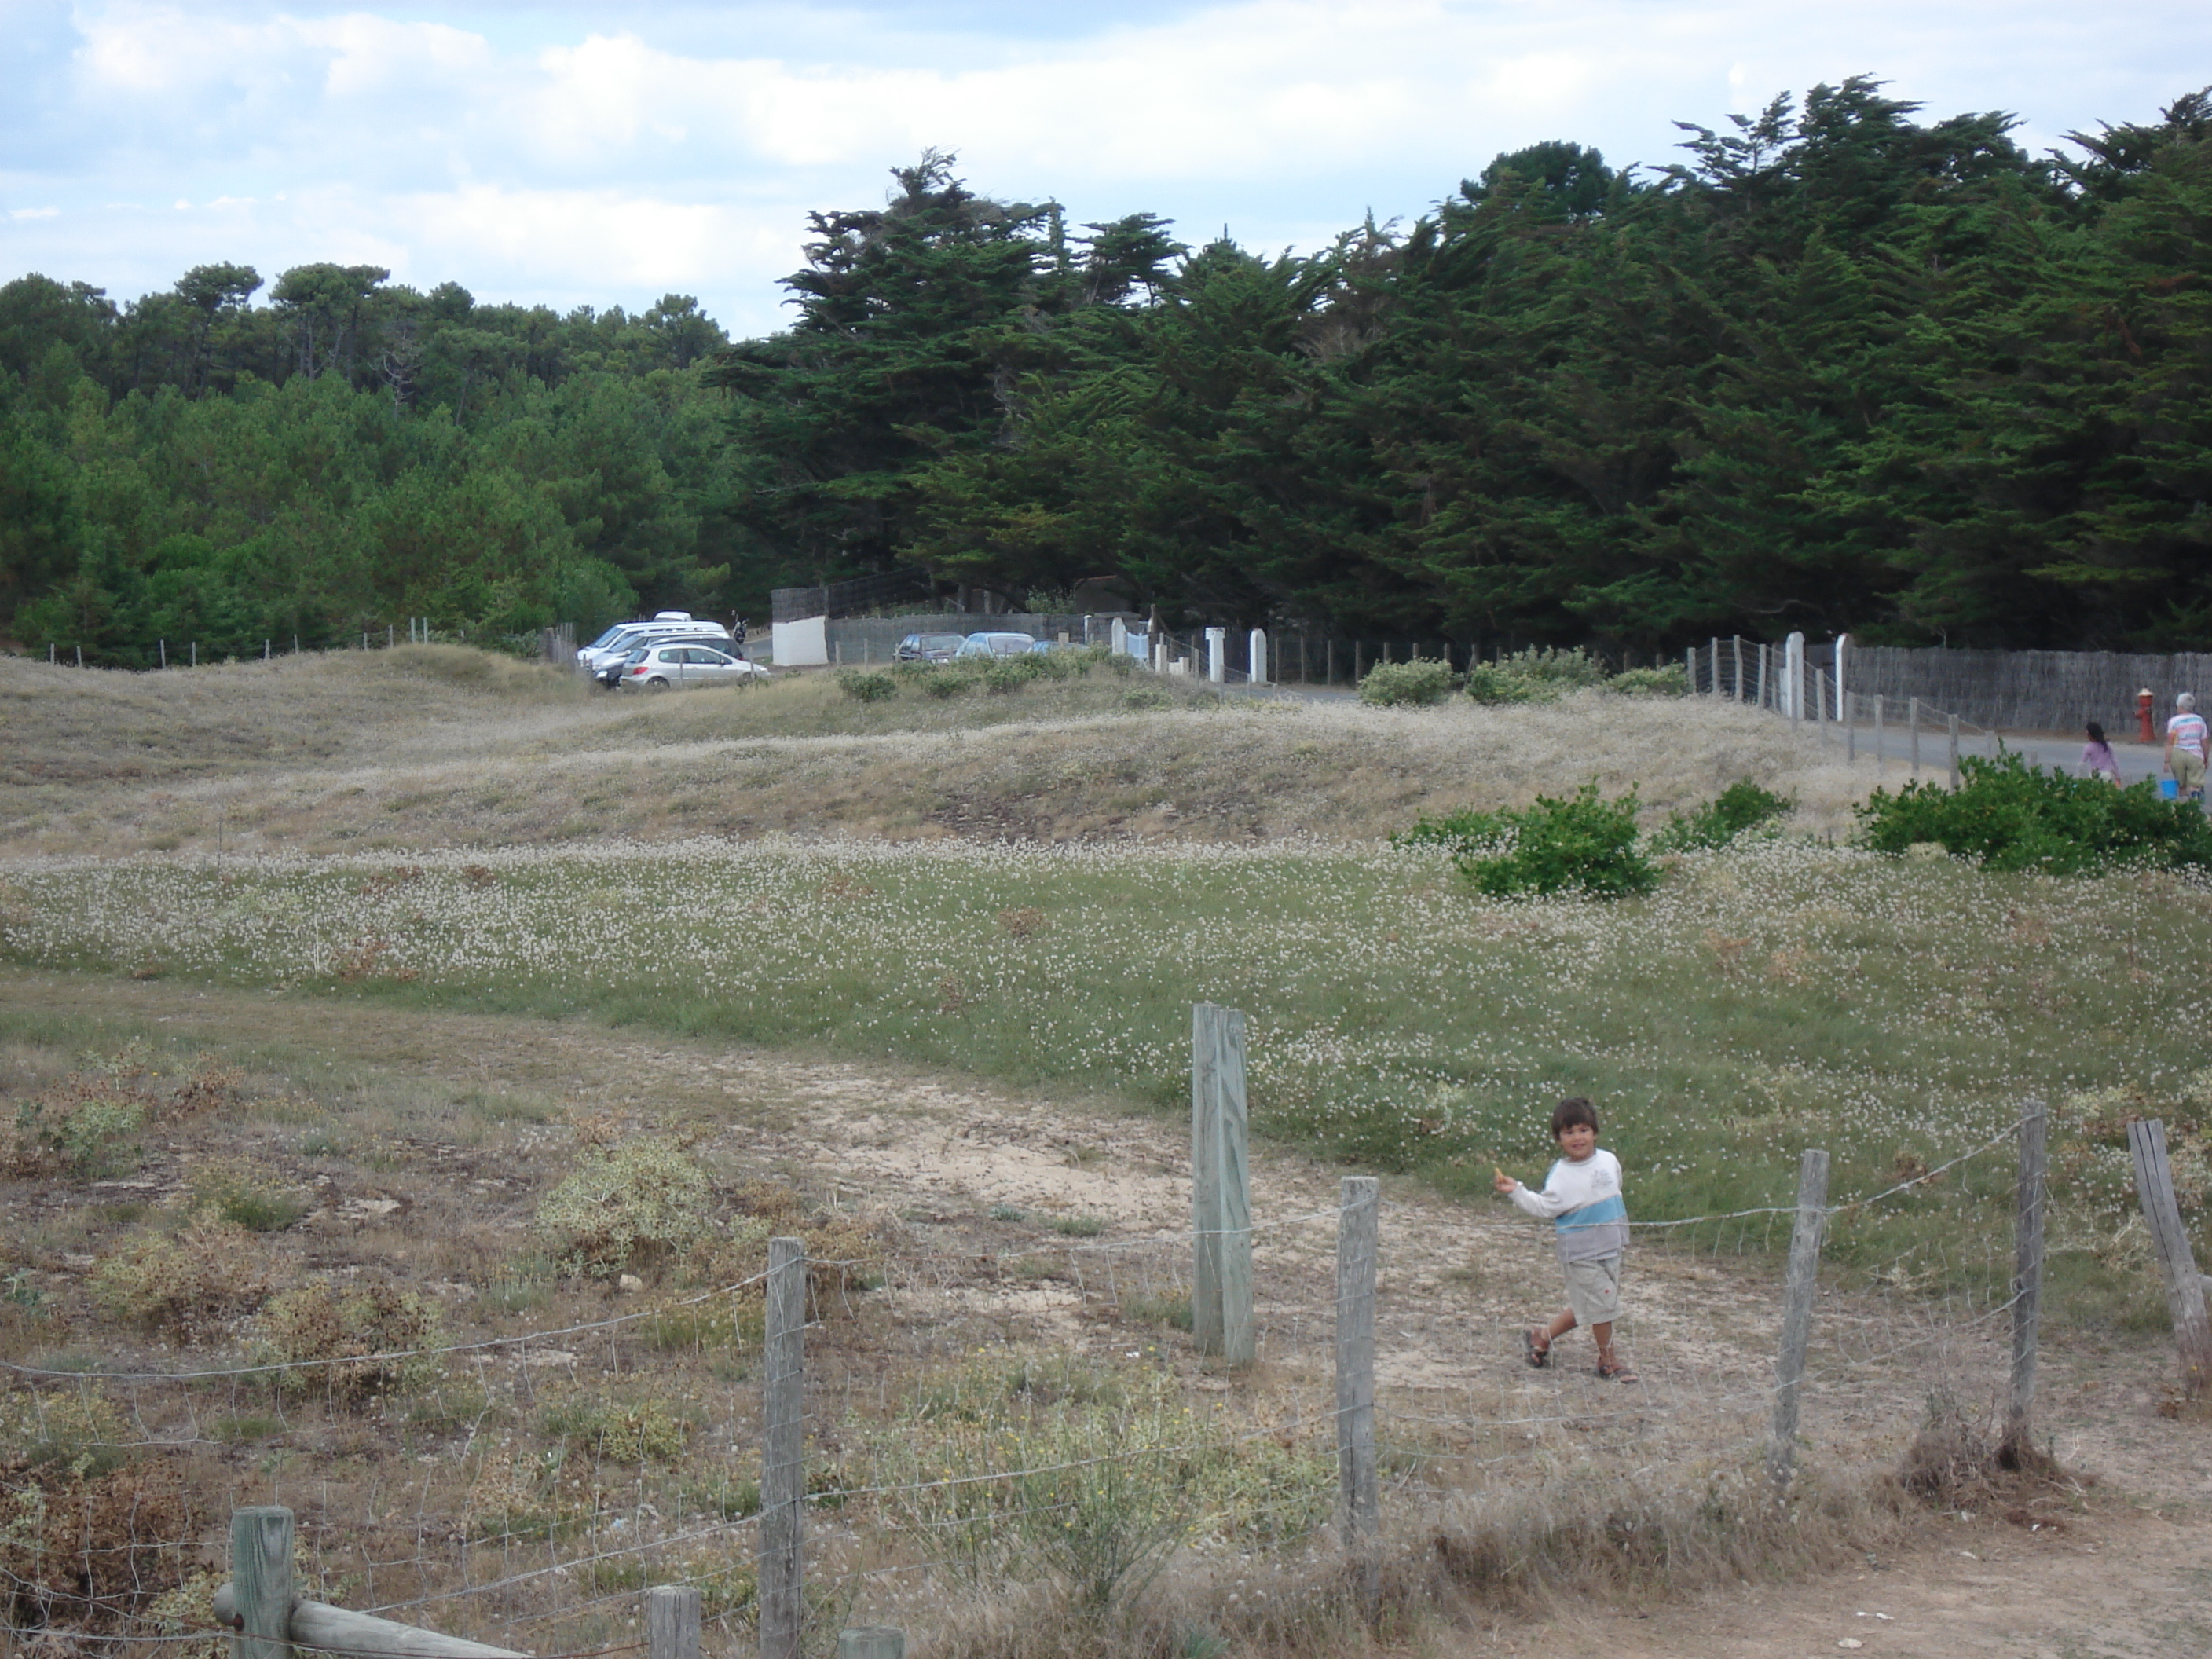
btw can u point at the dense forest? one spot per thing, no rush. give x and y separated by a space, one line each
1836 369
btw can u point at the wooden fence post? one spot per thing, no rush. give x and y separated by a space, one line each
870 1641
2185 1289
1357 1240
1690 666
1220 1190
1912 720
1954 751
1797 1313
2015 1449
1878 763
783 1467
1736 648
261 1582
672 1622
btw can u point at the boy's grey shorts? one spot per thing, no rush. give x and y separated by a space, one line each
1593 1289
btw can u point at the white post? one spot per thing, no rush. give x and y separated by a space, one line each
1118 637
1842 641
1216 654
1259 675
1793 677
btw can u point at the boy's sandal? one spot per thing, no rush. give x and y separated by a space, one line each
1619 1371
1538 1357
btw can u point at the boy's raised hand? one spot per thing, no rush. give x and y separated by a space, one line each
1506 1183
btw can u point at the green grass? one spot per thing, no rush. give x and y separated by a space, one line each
1761 1002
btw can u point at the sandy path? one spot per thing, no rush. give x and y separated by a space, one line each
1457 1280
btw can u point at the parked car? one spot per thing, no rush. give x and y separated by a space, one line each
686 667
927 647
611 647
995 644
1046 647
610 676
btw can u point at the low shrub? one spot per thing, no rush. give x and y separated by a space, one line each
194 1285
1672 680
1004 674
240 1192
946 682
864 687
1542 674
2008 815
351 1339
85 1126
1147 696
1582 844
1414 684
640 1206
617 1431
1743 806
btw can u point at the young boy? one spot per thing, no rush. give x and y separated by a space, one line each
1581 1196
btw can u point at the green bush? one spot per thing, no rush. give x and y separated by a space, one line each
1004 674
1539 674
1671 681
865 688
352 1339
1582 843
1406 684
2009 815
641 1206
946 682
1456 832
1742 805
1147 696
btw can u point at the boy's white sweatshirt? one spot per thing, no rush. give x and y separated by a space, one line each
1589 1217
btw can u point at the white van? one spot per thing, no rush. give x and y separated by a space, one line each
618 642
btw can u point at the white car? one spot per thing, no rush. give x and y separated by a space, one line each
686 667
995 644
618 642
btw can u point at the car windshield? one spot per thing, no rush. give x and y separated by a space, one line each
609 636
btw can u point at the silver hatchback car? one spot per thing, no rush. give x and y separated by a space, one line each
686 667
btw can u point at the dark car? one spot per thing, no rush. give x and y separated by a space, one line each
927 647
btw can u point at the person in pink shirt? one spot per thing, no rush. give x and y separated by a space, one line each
2097 757
2188 745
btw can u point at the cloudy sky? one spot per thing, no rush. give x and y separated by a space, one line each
579 152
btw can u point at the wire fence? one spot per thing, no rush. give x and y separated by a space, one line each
974 1418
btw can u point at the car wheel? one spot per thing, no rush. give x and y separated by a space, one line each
656 683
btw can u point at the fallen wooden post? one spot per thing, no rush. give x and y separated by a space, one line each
363 1635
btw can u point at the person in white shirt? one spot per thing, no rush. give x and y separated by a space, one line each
1582 1199
2188 746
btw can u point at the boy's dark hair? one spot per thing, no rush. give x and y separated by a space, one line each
1570 1111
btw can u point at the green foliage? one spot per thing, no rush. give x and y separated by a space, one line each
639 1431
1742 805
1671 681
865 688
194 1285
1538 674
640 1206
1580 844
243 1193
1401 684
2009 815
351 1339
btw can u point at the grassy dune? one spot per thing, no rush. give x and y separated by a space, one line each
437 747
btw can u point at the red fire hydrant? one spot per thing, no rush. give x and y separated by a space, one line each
2142 713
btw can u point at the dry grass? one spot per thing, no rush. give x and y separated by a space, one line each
435 746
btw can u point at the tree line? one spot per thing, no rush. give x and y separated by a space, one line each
1837 368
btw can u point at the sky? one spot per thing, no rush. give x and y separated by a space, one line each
580 153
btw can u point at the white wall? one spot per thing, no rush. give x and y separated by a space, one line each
800 644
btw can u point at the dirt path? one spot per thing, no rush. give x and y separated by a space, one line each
960 1163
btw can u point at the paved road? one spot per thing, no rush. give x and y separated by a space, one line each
2137 760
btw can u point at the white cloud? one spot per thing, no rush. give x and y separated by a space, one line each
596 160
